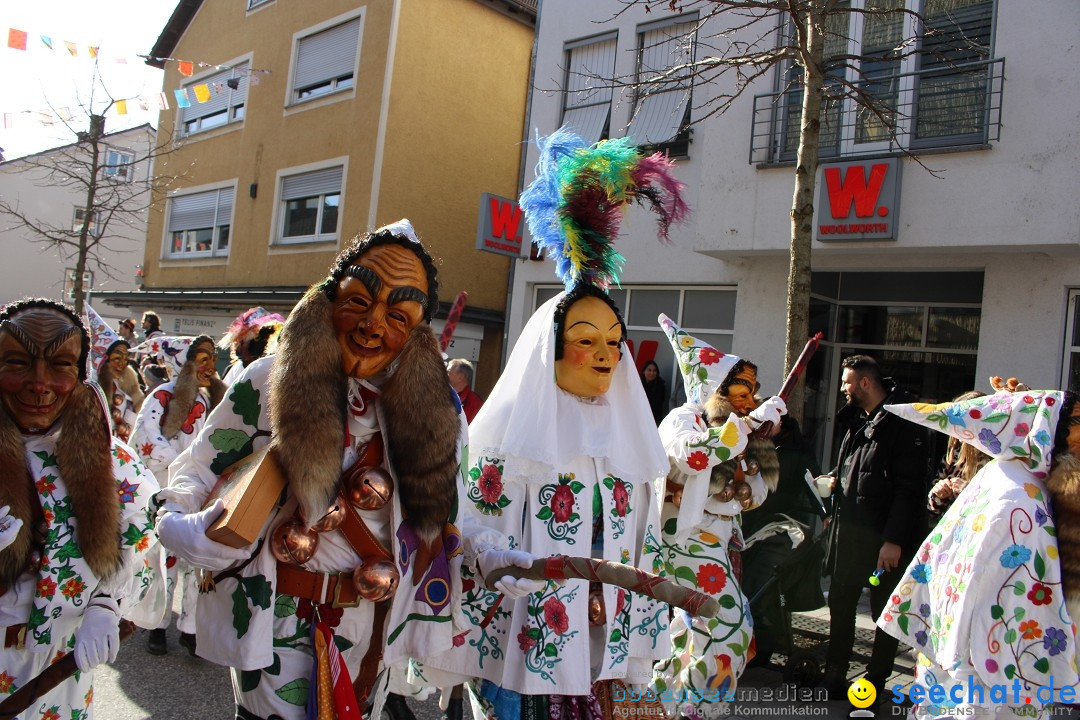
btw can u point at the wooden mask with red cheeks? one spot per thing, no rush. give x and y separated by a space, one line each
204 355
39 366
590 354
118 358
379 302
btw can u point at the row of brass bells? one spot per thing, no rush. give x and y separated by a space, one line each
596 606
738 490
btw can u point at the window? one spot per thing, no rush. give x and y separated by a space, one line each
119 165
590 65
199 224
69 285
662 103
942 90
226 94
309 206
326 61
1070 379
252 4
78 221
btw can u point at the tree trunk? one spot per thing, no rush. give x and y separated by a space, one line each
97 130
802 209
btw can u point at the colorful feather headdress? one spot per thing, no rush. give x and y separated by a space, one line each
575 203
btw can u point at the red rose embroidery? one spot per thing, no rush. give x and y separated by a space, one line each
525 641
562 503
555 616
490 484
621 497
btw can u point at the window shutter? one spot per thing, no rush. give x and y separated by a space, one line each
195 211
327 55
319 182
225 206
222 96
659 114
588 102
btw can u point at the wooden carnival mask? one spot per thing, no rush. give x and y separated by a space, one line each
39 366
591 337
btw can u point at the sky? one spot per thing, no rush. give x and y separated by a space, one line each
41 86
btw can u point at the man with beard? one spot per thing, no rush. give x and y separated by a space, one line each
991 598
878 519
361 567
74 528
168 423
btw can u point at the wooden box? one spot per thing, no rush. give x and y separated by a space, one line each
250 488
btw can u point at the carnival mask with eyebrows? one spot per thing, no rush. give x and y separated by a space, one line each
591 339
379 302
39 366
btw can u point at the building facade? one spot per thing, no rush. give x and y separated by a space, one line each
308 123
43 188
948 250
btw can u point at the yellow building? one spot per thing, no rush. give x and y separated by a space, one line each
299 125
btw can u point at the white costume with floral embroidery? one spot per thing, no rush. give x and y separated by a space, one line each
544 466
158 452
267 642
52 600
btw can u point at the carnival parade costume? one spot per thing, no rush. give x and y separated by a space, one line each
253 334
73 548
700 522
121 388
569 472
985 602
354 454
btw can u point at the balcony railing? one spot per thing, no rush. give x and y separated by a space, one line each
944 107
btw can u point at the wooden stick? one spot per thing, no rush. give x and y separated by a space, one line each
452 318
49 678
562 567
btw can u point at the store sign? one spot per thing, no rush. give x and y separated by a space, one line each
501 228
213 325
858 200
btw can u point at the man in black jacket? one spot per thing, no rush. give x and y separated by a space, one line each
878 520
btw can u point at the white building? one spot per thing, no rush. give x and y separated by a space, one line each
979 274
32 267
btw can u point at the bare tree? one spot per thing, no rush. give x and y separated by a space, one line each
807 43
110 201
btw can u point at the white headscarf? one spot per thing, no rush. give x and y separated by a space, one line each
537 427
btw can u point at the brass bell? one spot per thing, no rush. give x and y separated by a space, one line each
743 491
596 607
376 581
752 466
291 542
369 489
331 520
726 493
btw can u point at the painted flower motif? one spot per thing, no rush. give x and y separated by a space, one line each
490 484
686 342
6 682
1054 642
1043 438
1015 556
920 637
978 523
73 588
886 616
52 713
127 492
562 503
1030 630
709 356
525 641
999 401
1029 399
989 440
122 455
955 415
46 588
1040 594
45 485
924 610
1021 429
975 413
698 460
1050 401
459 639
142 543
711 578
145 449
921 573
1040 516
555 616
621 498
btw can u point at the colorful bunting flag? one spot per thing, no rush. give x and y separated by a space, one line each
163 101
187 68
72 48
7 121
93 51
202 93
64 113
121 107
45 118
46 41
16 39
181 98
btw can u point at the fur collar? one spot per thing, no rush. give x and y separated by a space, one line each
1064 486
128 381
84 457
185 392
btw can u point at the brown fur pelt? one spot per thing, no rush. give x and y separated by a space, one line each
129 383
759 449
16 491
308 392
423 427
185 391
1064 487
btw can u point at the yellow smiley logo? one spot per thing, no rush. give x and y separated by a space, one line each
862 693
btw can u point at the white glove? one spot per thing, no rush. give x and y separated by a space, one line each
184 535
9 526
513 588
98 638
768 411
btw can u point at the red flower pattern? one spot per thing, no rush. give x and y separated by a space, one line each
525 641
709 356
46 588
490 484
145 449
562 503
73 587
711 578
621 497
555 616
1040 594
698 460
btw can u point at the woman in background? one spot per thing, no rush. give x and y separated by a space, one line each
655 390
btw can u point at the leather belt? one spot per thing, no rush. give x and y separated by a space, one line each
337 590
15 636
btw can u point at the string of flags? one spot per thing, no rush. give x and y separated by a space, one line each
183 97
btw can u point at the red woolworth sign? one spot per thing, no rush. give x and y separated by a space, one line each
858 200
501 228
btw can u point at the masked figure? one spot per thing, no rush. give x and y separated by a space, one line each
991 598
167 424
563 459
253 334
115 376
717 470
359 566
74 524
